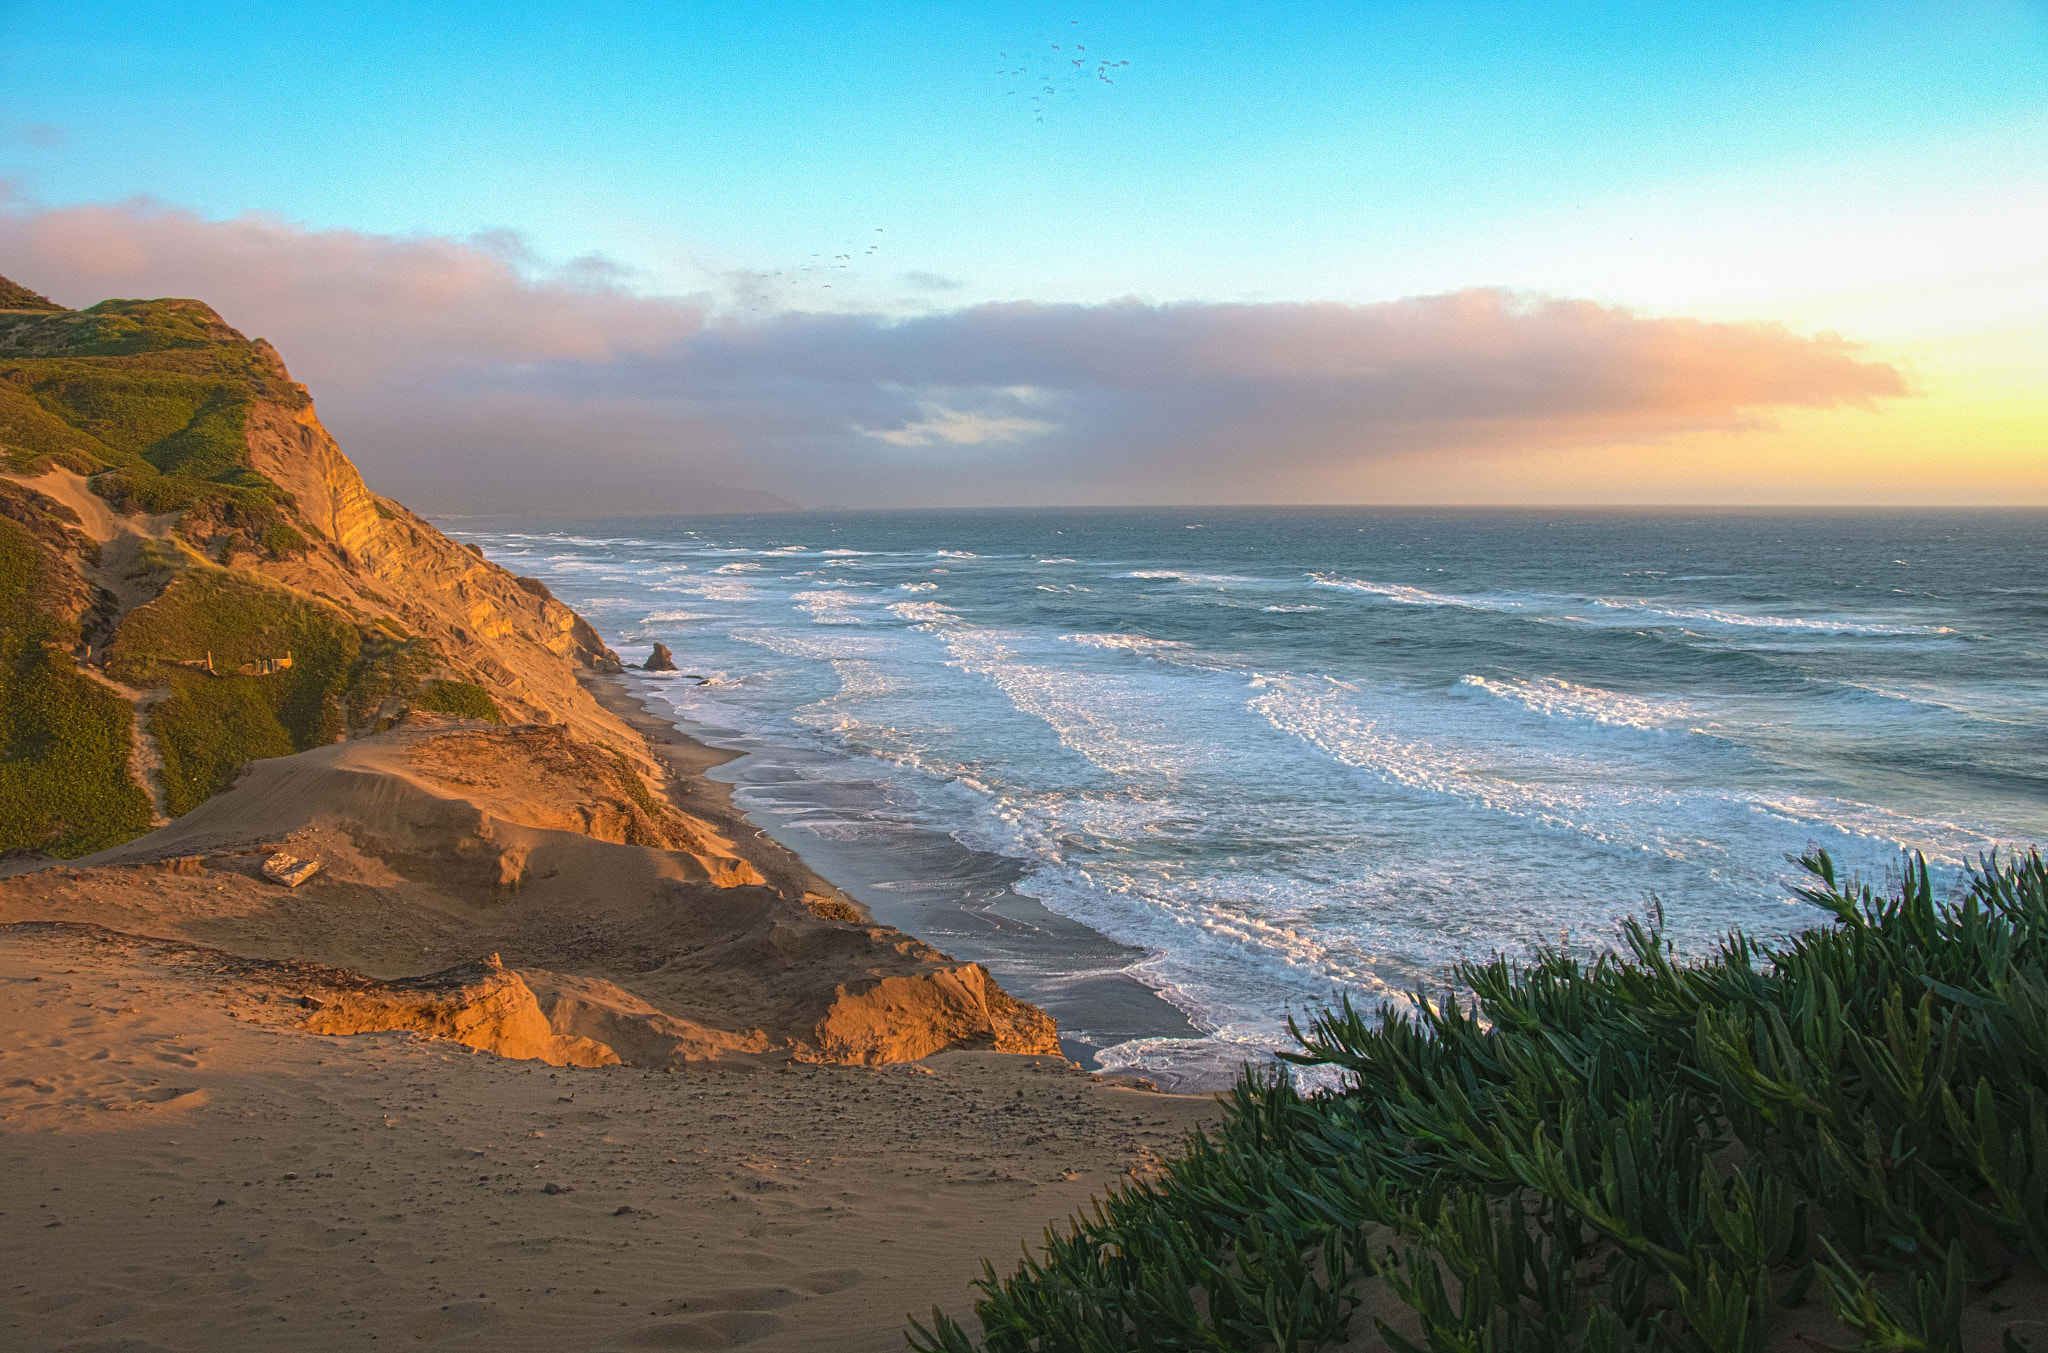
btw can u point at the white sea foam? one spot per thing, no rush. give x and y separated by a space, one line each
923 612
1708 615
1176 575
657 616
713 590
1633 610
831 606
917 587
1287 610
737 568
1554 697
956 554
1130 643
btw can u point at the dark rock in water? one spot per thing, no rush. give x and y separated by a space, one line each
660 660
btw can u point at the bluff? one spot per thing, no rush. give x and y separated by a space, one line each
218 645
174 515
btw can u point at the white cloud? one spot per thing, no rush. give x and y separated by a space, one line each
465 368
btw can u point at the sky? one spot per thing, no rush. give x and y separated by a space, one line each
657 257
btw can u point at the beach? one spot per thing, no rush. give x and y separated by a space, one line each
962 900
207 1174
188 1173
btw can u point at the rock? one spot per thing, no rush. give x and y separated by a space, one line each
312 1003
558 1188
660 660
626 1211
289 870
184 864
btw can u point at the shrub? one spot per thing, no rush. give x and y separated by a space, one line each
66 785
1618 1152
210 725
209 728
387 667
281 538
463 698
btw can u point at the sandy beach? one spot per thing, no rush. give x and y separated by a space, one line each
187 1172
190 1168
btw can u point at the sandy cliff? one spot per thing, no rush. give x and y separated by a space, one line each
224 635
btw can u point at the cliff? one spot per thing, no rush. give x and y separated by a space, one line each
216 642
173 496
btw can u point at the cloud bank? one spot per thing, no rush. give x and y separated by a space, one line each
469 376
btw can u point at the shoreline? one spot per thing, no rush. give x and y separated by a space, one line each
921 882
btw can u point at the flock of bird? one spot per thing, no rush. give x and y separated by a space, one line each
1046 78
1041 81
812 272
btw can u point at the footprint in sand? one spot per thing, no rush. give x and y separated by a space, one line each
738 1315
457 1318
723 1329
827 1281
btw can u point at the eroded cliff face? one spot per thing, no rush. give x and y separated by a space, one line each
377 558
207 615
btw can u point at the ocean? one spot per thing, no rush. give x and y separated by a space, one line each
1276 757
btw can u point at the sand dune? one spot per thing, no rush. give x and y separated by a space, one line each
187 1170
430 859
500 1075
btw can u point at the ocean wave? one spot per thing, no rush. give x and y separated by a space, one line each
1708 615
1216 579
1416 596
1288 610
829 607
1131 643
1581 790
712 590
1556 698
922 611
737 568
657 616
956 554
1626 610
917 587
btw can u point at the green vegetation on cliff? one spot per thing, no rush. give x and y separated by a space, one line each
14 296
341 676
152 401
151 398
1841 1139
211 724
463 698
66 786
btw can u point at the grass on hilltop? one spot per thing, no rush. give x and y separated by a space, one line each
151 398
1841 1139
66 785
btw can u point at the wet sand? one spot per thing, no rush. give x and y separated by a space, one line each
921 881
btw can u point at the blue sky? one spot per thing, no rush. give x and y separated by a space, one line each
1877 170
1350 152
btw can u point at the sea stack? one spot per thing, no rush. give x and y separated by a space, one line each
660 660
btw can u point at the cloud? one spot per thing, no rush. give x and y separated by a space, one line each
467 369
930 281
